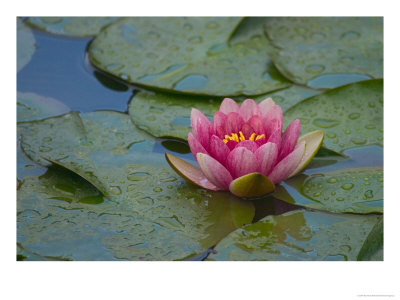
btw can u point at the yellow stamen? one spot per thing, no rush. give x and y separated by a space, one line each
261 136
239 138
242 138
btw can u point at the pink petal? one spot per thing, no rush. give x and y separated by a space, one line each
261 142
214 171
287 165
289 138
241 161
189 172
276 138
202 128
228 105
273 120
233 123
231 144
257 124
219 124
247 130
218 149
265 106
252 146
195 145
248 109
266 156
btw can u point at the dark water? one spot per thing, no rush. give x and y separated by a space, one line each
59 69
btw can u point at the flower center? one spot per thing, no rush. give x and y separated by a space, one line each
238 138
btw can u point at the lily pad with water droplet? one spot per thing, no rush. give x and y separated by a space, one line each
372 248
308 47
185 55
358 190
31 106
297 235
152 213
25 45
72 26
350 116
163 114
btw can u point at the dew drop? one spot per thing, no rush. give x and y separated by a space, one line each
47 139
157 189
370 126
340 199
324 123
332 180
115 190
350 35
347 186
358 141
145 201
369 194
316 194
331 135
45 149
354 116
137 176
315 69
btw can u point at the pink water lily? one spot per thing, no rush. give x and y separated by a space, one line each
243 149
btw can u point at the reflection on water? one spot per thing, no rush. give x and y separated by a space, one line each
58 69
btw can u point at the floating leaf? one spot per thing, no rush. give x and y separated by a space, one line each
25 45
357 190
350 116
297 235
153 214
185 55
162 114
31 106
72 26
372 248
308 47
288 97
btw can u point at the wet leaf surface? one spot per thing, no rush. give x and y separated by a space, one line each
31 106
185 55
297 235
350 116
372 249
150 213
357 190
25 45
71 26
305 48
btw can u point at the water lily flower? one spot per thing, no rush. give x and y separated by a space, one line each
243 149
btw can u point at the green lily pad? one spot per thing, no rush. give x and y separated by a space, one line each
152 213
168 115
288 97
350 116
25 45
308 47
372 248
72 26
297 235
31 106
185 55
357 190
